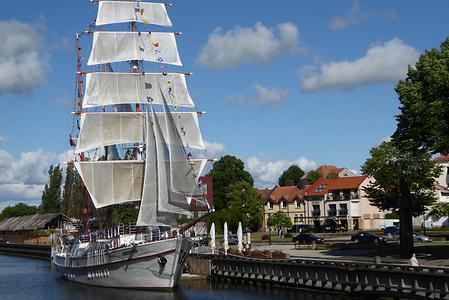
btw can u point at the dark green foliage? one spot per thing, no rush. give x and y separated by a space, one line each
393 215
20 209
387 165
279 220
293 173
124 214
312 176
424 118
51 196
226 171
245 205
331 175
440 209
72 200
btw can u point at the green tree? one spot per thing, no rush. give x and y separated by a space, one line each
423 121
72 202
20 209
279 220
124 214
245 205
440 209
293 173
331 175
403 182
226 171
312 176
51 196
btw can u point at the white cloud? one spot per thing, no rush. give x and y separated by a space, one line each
246 45
213 150
262 96
23 63
3 138
266 173
22 179
355 16
382 63
352 17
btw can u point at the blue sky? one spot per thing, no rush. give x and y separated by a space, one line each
306 82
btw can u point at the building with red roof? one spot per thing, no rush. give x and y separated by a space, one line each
343 201
288 199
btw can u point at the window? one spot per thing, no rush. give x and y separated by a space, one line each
284 204
298 203
270 205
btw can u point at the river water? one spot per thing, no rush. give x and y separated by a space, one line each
24 278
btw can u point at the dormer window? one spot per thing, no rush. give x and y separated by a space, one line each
298 203
283 204
270 205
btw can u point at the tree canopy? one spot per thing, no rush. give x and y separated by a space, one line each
312 176
72 202
423 122
293 173
245 205
20 209
279 220
51 196
226 171
440 209
387 165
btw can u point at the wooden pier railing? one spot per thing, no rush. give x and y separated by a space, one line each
361 278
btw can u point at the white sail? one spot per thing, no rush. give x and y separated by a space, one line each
104 88
110 47
159 203
168 200
112 182
110 12
99 129
183 177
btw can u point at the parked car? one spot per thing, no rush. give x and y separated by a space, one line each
419 237
391 230
232 240
307 238
367 238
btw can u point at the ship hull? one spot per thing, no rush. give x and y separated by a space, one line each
157 265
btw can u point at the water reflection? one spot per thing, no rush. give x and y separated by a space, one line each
22 278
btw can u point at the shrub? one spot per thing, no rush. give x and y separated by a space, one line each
278 254
288 235
265 237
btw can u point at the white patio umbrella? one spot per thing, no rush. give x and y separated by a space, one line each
240 237
212 237
225 237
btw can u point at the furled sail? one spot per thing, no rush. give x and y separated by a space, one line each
112 182
159 202
183 177
110 12
119 88
110 47
99 129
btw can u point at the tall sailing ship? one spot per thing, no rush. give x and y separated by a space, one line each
132 146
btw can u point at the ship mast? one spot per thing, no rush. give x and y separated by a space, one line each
80 99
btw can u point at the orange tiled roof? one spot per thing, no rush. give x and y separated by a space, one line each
327 185
265 193
442 158
325 170
288 193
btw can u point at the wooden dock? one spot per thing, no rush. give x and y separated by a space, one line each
360 278
26 250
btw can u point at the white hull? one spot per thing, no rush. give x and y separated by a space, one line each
154 265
